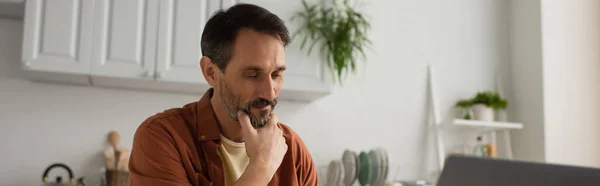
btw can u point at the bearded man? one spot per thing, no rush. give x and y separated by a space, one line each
231 135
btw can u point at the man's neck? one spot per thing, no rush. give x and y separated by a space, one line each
229 128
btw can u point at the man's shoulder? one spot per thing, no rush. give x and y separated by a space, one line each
287 130
296 148
170 117
290 135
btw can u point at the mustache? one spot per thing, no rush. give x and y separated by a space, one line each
260 102
263 102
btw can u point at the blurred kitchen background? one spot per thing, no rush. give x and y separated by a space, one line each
541 55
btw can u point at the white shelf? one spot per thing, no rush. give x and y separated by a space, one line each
487 125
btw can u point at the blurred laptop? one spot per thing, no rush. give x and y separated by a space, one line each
471 171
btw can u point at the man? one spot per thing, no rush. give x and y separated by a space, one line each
230 136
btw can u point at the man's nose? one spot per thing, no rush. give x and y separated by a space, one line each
267 89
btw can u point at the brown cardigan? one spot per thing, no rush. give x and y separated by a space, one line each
179 147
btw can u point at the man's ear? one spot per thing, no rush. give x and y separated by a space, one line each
209 70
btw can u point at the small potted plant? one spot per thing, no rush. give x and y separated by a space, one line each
483 105
465 106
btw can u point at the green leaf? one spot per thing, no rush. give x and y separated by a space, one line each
490 99
304 42
464 103
315 41
339 30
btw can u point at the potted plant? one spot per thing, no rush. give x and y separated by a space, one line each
483 105
338 29
465 106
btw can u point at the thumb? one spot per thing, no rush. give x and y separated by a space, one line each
244 120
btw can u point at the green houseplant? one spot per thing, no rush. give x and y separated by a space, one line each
465 105
483 105
338 30
490 99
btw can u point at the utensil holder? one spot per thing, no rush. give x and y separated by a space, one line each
117 178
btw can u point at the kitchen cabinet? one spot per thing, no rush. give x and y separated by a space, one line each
12 9
180 31
139 44
58 36
124 38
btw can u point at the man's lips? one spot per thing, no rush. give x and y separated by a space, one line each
266 107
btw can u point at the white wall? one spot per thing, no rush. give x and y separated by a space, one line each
527 103
571 42
555 61
383 105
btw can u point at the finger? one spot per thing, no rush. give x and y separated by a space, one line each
282 140
272 121
244 120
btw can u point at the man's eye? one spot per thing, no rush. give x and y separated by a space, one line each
252 75
276 75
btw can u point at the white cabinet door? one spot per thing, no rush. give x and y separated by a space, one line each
125 38
57 35
180 31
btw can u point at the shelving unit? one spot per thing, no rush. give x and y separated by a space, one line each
487 125
491 127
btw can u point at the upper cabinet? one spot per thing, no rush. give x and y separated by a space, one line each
180 31
58 36
142 44
124 38
178 51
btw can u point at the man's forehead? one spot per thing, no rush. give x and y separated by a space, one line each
257 51
255 63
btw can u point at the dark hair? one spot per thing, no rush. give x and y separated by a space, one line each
221 29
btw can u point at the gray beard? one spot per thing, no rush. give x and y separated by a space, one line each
233 104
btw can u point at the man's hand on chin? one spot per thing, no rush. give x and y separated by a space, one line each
265 148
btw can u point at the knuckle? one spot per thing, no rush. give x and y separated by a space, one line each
273 118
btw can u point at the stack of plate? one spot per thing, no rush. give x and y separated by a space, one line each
370 168
351 167
334 173
365 174
380 155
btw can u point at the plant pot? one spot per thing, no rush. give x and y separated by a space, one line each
482 112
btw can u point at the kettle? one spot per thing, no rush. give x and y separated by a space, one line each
59 180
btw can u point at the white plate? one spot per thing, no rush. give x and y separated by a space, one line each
349 161
334 172
386 160
384 166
